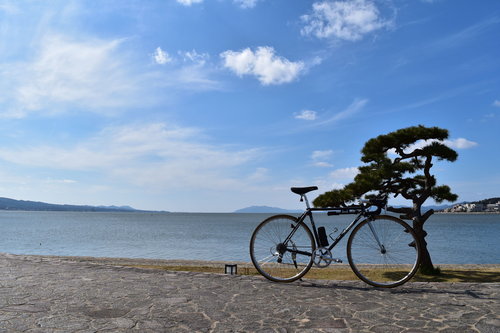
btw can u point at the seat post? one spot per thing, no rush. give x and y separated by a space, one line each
302 192
303 196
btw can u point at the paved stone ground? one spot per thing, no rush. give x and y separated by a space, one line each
49 294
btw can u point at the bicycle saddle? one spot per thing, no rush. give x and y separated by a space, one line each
303 190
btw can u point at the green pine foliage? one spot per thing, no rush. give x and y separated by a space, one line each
395 164
399 163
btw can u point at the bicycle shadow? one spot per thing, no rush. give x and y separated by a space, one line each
408 288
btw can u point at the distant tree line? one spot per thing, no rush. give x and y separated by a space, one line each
12 204
487 201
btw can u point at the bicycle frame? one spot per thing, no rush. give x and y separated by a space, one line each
382 250
350 210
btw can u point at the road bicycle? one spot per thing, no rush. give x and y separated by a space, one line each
382 250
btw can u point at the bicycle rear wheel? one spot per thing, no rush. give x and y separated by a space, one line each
383 251
278 252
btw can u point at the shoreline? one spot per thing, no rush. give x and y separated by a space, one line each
195 263
468 213
450 273
121 261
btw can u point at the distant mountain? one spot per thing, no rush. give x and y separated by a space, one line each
118 208
265 209
11 204
275 210
435 207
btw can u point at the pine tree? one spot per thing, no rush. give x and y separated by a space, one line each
400 163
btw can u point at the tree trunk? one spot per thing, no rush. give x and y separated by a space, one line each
426 265
414 214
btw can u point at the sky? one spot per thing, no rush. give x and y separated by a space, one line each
216 105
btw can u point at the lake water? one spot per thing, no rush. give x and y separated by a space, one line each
453 239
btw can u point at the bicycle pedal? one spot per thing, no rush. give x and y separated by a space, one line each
326 258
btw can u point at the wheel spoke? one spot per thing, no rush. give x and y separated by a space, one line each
266 247
390 267
266 260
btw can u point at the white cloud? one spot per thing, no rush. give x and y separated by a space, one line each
246 3
346 20
90 74
193 77
496 103
191 71
161 57
194 57
9 8
460 143
323 164
356 106
148 155
60 181
320 158
306 115
241 3
189 2
69 75
264 64
337 179
260 174
321 154
344 174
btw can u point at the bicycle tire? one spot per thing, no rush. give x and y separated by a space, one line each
392 262
272 258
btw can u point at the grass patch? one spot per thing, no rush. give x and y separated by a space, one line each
486 274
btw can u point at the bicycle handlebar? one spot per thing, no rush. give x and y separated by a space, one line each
363 208
380 203
345 210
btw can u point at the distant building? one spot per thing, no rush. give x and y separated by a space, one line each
466 208
474 207
493 207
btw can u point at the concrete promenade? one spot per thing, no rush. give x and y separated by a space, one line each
56 294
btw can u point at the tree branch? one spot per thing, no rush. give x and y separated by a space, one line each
403 156
427 215
427 190
406 211
399 210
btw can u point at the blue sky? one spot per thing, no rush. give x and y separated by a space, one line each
215 105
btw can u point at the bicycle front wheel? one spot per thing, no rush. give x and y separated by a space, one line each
383 251
281 248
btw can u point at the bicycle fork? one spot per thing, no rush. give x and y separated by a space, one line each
382 247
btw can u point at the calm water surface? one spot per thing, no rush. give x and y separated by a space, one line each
454 239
